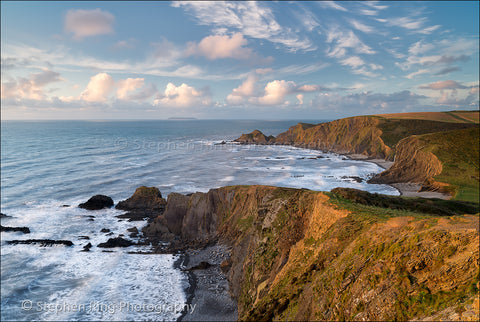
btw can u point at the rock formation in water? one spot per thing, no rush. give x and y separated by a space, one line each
97 202
145 202
24 230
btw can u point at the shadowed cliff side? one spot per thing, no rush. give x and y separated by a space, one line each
305 255
444 161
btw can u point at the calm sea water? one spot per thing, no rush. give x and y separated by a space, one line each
46 165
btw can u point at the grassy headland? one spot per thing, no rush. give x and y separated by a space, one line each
436 149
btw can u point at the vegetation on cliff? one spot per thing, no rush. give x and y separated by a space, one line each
304 255
436 149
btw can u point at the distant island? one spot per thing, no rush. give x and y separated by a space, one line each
182 118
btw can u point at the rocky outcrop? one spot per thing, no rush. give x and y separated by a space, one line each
24 230
97 202
411 164
306 255
256 137
145 202
116 242
41 242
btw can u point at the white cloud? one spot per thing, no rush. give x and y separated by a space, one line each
368 12
99 88
87 23
275 92
183 96
125 86
362 27
333 5
375 5
250 18
308 88
353 61
429 30
31 87
420 48
300 98
411 23
418 72
343 40
215 47
245 90
447 84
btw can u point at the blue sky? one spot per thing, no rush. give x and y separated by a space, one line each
247 60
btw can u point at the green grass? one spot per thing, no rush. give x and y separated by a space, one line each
396 129
378 207
459 153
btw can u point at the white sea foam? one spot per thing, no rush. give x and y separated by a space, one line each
36 184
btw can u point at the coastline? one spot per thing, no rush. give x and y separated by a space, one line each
208 292
404 188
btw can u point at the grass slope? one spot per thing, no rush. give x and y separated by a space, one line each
459 153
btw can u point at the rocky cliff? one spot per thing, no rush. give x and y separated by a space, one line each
412 164
444 161
305 255
359 135
405 138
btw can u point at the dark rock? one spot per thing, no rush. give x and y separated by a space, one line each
137 215
226 265
90 219
24 230
110 234
87 247
146 202
105 230
97 202
4 216
116 242
143 198
221 143
201 265
84 237
42 242
65 206
357 179
133 230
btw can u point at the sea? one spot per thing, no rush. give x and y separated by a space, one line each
49 167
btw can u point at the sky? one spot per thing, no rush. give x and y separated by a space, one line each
237 60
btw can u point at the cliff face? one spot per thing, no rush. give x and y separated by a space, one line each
411 164
444 161
256 137
418 145
305 255
359 135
